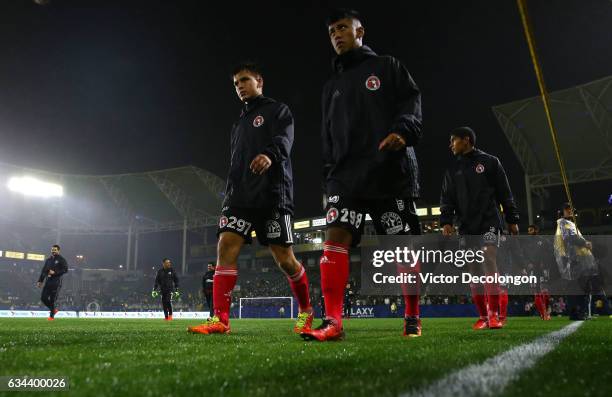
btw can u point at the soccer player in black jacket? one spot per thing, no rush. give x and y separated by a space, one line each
474 187
167 283
51 275
371 120
207 286
258 197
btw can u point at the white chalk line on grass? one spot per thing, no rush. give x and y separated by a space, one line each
494 374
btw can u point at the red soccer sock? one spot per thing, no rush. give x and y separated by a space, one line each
224 281
334 275
299 286
545 301
479 299
503 303
411 292
539 304
492 292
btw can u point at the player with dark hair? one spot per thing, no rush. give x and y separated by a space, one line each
474 187
207 286
51 275
167 283
371 120
258 197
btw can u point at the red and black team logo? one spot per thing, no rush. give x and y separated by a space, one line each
332 215
480 168
223 222
258 121
372 83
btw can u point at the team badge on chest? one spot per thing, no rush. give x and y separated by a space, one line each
372 83
480 168
258 121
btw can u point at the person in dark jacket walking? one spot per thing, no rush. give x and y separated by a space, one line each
51 276
207 286
371 121
258 197
167 283
474 187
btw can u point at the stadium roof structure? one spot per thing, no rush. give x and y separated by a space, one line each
146 202
583 119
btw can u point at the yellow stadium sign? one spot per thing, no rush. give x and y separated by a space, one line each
301 224
14 255
35 257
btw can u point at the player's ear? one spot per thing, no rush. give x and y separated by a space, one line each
360 32
260 82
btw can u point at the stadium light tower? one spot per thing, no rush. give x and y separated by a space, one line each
34 187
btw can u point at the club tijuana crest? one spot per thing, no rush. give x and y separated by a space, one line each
372 83
258 121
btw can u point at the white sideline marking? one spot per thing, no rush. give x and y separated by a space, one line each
493 375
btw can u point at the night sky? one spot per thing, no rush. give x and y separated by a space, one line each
99 87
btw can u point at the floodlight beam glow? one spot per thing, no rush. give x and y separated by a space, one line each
34 187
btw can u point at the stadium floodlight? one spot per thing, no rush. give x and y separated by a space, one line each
34 187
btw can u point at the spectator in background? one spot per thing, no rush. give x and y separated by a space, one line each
207 287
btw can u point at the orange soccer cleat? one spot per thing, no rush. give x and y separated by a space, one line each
494 322
328 330
212 326
481 323
50 318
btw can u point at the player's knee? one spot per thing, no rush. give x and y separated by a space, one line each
339 235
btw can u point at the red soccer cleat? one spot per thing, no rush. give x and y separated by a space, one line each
212 326
481 323
328 330
412 327
494 322
50 318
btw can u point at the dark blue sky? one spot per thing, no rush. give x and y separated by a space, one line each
118 86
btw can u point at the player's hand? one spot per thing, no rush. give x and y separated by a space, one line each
260 164
51 272
448 230
39 284
154 294
513 229
393 142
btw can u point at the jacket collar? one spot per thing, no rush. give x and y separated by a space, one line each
352 58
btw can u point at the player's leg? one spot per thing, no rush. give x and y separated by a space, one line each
479 297
53 288
399 217
503 304
344 226
166 304
234 230
492 287
298 281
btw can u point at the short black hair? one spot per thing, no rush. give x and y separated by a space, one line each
536 227
166 259
211 264
56 246
462 132
249 66
340 13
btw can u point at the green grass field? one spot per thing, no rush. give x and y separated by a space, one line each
263 358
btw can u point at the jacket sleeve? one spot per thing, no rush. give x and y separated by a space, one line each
503 194
63 267
175 279
43 273
407 120
157 282
328 158
448 203
280 147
